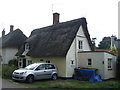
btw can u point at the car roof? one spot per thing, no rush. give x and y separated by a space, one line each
42 63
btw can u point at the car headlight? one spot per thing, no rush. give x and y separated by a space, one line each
23 72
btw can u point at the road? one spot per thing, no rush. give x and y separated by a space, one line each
10 84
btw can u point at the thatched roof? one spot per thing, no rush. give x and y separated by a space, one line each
55 40
13 39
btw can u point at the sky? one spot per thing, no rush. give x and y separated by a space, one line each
27 15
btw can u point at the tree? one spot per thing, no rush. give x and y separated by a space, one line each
113 50
105 43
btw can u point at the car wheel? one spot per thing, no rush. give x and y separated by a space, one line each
30 79
54 76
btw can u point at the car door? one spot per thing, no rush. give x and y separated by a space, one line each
50 69
41 72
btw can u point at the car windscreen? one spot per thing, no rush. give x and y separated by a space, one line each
31 67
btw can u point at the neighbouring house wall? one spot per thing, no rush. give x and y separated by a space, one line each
60 63
109 73
8 54
99 61
72 54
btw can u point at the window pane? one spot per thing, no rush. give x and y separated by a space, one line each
109 63
80 44
47 61
89 62
72 62
27 46
41 67
50 66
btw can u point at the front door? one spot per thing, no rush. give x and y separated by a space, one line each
24 62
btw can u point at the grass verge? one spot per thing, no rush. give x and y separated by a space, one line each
71 84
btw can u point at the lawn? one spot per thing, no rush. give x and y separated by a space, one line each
70 83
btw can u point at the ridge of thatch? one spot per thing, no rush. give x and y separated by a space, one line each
13 39
55 40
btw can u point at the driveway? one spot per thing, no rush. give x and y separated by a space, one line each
10 84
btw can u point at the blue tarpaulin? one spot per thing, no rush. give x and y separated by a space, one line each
88 73
95 78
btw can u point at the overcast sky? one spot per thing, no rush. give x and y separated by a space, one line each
101 15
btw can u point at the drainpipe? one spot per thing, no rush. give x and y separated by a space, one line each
76 53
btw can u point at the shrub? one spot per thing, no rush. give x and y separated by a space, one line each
7 71
118 66
13 62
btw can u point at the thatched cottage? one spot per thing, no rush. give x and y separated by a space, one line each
10 44
66 45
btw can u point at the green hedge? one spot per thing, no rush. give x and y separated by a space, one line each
7 71
118 67
13 62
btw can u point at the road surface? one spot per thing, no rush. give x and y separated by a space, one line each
10 84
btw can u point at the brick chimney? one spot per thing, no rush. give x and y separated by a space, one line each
55 18
11 28
3 32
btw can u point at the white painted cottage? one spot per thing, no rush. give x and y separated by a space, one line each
10 44
64 44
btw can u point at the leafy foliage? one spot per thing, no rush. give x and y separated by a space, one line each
13 62
105 43
118 66
7 71
113 50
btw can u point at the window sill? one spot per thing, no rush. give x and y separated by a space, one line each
109 68
72 65
79 50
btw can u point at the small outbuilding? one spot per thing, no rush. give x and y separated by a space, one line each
104 62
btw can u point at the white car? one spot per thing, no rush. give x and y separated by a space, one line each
35 71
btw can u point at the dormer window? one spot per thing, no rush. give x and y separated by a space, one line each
27 47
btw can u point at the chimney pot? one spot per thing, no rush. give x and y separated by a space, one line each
3 32
55 18
11 28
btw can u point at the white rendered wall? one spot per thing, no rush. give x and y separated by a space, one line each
73 52
109 73
99 61
8 54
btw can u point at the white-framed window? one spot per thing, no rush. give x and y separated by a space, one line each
89 62
20 63
47 61
72 62
27 46
109 63
80 44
